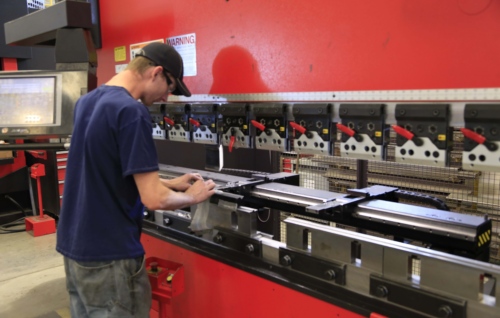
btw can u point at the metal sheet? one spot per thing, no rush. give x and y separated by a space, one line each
420 218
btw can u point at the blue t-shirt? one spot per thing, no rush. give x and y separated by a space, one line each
101 215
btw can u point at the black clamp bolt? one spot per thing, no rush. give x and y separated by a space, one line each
329 274
445 311
286 260
381 291
218 238
249 249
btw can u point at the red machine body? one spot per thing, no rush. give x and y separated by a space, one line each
167 282
215 289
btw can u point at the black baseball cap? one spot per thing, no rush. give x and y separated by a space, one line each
167 57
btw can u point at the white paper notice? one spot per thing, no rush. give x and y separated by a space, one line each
186 46
120 67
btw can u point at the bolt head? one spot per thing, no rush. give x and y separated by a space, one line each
381 291
218 239
249 249
445 311
329 274
286 260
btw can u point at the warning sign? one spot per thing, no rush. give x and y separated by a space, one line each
186 46
134 48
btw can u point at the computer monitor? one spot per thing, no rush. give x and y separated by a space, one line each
39 103
29 101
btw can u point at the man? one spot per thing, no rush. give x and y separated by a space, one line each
112 172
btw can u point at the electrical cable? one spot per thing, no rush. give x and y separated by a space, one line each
5 229
268 216
422 198
16 204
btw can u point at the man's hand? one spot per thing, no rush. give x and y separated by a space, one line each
183 182
201 190
162 194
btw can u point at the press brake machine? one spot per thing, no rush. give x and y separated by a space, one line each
365 274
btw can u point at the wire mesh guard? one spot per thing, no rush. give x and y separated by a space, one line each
467 192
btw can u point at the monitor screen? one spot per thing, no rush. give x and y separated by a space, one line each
28 101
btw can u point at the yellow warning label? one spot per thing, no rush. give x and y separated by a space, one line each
442 137
282 129
325 131
378 134
120 54
245 127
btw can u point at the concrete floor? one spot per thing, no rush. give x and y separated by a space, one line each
32 280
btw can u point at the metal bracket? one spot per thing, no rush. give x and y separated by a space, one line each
241 139
273 118
235 123
208 121
427 134
271 140
310 265
313 133
371 135
173 220
181 129
481 150
417 299
238 242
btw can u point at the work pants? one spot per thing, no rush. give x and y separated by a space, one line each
107 289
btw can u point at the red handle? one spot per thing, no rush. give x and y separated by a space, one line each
41 154
231 143
298 127
258 125
194 122
403 132
346 130
169 121
480 139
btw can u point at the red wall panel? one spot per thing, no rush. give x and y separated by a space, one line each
318 45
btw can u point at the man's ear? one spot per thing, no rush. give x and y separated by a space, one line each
156 71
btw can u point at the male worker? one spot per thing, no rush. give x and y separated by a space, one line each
111 174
